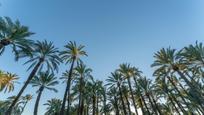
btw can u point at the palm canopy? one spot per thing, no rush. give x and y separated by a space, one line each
82 70
27 97
114 80
72 52
193 54
168 59
7 81
15 35
46 80
46 53
54 106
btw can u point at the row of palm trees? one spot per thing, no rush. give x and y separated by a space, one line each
176 89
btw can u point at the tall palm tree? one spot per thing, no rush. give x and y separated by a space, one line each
127 72
26 99
113 99
44 80
44 54
15 35
54 106
170 61
7 81
71 54
115 80
82 72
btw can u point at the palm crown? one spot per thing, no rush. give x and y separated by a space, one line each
72 52
45 80
14 34
46 53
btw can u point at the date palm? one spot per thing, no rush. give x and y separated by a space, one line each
54 106
7 81
82 72
71 54
127 72
170 61
44 55
26 99
113 99
115 80
15 35
44 80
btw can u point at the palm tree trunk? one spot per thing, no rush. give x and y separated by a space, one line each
81 100
121 97
128 104
94 105
178 91
116 106
133 99
97 102
142 107
145 104
155 103
67 91
80 105
155 111
38 100
200 107
104 104
173 103
179 105
87 109
32 74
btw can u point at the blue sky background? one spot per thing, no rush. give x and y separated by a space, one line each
113 31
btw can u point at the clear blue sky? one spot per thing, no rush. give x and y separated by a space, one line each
113 31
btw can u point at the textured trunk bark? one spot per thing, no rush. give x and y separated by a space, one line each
80 112
38 100
145 104
128 104
173 104
32 74
155 111
178 91
97 102
133 99
179 105
116 106
200 107
67 91
94 105
140 101
155 103
121 97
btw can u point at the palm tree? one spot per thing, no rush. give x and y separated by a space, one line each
26 99
44 80
71 54
54 106
115 80
82 72
113 99
15 35
17 108
44 54
7 81
170 61
127 72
